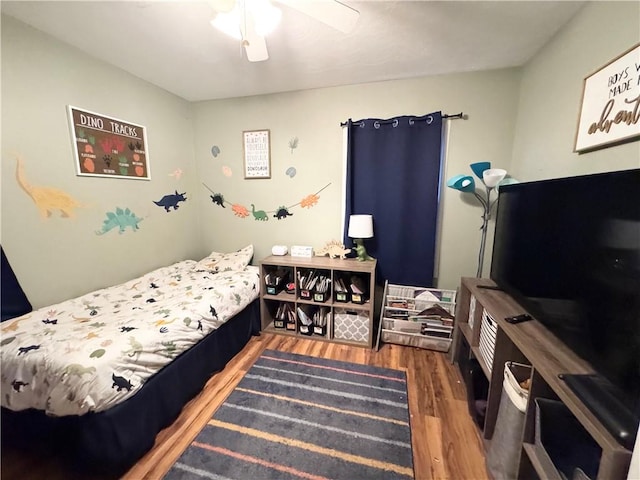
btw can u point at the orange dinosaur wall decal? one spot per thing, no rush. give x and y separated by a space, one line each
46 199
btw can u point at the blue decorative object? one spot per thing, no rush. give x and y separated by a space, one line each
171 201
464 183
478 168
491 178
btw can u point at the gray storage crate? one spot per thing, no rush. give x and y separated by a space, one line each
504 452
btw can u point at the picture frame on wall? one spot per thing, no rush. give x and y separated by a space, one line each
610 109
108 147
256 150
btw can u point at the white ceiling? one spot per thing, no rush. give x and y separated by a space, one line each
172 45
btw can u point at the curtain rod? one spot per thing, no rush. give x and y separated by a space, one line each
444 117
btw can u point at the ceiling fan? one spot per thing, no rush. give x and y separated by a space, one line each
251 20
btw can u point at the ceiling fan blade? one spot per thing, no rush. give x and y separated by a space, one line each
335 14
254 45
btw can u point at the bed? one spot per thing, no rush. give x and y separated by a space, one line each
95 378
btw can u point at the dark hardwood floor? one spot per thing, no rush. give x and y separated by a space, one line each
446 442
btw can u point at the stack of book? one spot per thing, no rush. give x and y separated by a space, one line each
417 316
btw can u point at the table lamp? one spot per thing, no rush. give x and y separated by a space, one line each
361 227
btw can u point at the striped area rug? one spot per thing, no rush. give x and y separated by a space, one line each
299 417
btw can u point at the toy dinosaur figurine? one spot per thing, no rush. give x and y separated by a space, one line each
334 249
361 251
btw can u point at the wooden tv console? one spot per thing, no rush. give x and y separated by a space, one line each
531 343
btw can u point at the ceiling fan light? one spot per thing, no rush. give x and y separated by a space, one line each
228 23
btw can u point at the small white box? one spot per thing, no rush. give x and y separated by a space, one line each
279 250
301 251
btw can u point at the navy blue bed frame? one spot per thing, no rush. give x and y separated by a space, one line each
110 442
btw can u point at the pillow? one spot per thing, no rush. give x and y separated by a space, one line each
223 262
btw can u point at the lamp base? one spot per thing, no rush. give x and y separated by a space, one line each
361 251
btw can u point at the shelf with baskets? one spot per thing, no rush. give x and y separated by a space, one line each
560 436
318 297
417 316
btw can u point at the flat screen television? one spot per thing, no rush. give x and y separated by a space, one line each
568 251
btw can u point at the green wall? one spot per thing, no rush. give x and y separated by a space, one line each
487 98
551 93
57 258
521 119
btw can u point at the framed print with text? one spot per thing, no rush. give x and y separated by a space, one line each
610 110
256 149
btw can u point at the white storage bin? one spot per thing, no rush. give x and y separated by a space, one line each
488 333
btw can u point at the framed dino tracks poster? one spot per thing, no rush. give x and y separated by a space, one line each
108 147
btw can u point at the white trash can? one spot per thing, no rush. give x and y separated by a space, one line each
503 454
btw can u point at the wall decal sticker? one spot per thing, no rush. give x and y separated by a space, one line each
177 173
47 199
293 144
215 151
291 171
120 219
226 171
263 215
171 200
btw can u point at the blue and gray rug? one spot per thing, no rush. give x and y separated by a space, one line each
300 417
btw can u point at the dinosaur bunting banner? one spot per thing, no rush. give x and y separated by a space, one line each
262 215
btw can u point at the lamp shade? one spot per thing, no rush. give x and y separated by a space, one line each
479 167
506 181
464 183
493 176
360 226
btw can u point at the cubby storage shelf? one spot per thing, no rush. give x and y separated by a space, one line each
348 322
531 343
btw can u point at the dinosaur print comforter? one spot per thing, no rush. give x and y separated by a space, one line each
92 352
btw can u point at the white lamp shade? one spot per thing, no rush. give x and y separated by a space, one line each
493 176
360 226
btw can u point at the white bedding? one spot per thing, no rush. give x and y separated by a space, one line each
92 352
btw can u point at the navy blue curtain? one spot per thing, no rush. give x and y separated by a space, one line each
393 173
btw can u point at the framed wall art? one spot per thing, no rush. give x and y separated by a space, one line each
610 110
257 153
108 147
